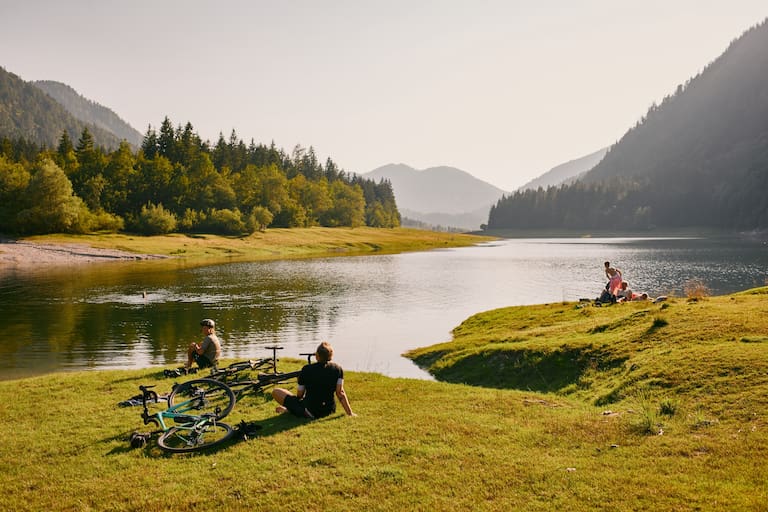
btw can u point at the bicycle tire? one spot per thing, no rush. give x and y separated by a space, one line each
201 437
206 396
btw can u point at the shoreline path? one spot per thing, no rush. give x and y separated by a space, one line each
21 253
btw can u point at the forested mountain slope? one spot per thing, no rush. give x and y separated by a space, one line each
567 172
28 113
89 111
700 158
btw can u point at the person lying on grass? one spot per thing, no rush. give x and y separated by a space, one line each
318 382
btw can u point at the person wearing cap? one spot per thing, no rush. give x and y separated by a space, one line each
318 383
207 353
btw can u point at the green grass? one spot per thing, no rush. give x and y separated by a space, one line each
552 407
274 243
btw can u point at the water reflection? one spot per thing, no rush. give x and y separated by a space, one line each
372 308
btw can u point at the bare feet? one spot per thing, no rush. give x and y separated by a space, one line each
280 409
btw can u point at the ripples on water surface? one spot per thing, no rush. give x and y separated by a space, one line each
371 308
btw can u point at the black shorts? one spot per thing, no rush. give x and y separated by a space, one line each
295 406
202 361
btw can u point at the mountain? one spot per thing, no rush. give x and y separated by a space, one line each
567 172
698 159
439 195
89 111
28 113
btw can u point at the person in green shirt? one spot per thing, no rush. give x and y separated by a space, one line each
207 353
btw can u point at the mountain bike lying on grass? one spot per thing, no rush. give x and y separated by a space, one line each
236 371
242 386
233 371
195 407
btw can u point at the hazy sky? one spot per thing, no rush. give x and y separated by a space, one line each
502 89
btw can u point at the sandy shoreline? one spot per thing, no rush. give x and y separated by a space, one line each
21 253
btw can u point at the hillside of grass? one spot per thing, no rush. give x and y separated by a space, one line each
709 351
553 407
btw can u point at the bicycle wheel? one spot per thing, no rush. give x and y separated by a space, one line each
195 437
202 396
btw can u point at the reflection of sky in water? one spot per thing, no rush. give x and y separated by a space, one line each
372 308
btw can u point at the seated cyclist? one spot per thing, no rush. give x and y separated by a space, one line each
318 383
207 353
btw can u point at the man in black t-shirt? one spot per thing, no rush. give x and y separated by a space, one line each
318 383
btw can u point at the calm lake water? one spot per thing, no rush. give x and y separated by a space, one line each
371 308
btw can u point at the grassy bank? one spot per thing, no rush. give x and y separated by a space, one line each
274 243
552 407
706 351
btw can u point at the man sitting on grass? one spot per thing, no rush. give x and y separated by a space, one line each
318 382
207 353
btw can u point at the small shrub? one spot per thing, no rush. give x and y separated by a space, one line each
224 221
668 407
699 419
695 289
259 219
647 420
105 221
155 220
189 220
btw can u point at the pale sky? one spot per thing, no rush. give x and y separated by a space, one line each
502 89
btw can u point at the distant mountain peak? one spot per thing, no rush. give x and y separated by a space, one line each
440 195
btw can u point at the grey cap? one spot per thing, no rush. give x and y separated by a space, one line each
208 323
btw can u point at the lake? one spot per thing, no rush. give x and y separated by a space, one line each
371 308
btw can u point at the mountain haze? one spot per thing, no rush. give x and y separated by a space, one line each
699 159
567 172
89 111
26 112
439 195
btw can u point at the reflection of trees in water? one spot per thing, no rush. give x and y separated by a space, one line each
101 316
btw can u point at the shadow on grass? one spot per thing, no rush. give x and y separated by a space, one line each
243 431
529 370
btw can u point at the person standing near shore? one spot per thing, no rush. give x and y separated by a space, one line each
207 353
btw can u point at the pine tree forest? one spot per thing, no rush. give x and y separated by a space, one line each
177 183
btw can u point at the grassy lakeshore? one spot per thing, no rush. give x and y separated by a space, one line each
552 407
273 243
